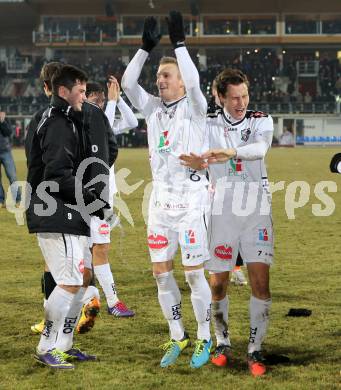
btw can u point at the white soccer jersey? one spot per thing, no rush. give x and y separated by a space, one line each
239 223
173 129
126 122
251 137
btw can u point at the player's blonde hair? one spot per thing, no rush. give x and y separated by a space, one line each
168 60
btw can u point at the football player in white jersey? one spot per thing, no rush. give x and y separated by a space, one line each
99 240
176 124
241 214
237 275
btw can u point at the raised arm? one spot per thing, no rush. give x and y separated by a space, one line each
128 119
188 71
135 93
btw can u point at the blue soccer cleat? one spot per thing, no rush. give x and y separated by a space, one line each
173 349
54 359
201 353
76 354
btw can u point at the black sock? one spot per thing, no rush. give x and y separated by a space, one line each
239 261
49 284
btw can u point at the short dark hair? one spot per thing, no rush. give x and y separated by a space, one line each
229 76
47 71
67 76
93 87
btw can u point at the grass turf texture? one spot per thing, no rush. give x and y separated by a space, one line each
306 274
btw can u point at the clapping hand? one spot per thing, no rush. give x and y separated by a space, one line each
150 36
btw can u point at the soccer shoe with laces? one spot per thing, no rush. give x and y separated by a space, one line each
54 359
222 355
201 353
38 328
256 363
238 278
173 349
120 310
76 354
88 316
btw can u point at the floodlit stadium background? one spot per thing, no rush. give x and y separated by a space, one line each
291 51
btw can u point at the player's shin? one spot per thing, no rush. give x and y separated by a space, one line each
65 334
201 301
220 310
106 280
259 320
56 309
170 302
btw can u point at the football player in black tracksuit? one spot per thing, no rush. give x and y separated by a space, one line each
55 152
98 141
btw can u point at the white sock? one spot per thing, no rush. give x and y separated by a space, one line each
65 334
170 302
220 315
56 309
90 292
201 301
259 320
106 280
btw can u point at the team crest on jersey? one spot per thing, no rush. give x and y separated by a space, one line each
245 134
164 142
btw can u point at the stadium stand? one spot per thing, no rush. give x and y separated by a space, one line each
291 56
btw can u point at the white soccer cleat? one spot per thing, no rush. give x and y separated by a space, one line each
238 278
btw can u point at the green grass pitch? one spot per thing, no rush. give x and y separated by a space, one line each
306 274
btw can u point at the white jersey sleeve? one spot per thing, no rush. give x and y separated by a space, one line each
263 139
139 98
110 110
126 122
190 77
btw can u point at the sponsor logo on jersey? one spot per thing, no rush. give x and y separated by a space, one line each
157 241
236 168
245 134
163 146
223 252
264 238
263 235
189 237
104 229
236 165
227 129
81 266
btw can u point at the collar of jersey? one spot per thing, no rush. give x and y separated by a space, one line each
228 120
173 103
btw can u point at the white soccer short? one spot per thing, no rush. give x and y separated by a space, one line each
178 219
65 256
228 234
99 232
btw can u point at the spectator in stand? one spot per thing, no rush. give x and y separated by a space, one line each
6 160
